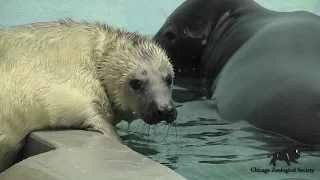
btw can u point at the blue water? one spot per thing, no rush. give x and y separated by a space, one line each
202 146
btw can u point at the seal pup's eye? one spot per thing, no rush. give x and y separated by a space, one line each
169 80
135 84
170 36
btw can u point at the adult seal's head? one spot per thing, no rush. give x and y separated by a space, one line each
186 32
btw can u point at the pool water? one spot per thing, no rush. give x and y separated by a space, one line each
202 146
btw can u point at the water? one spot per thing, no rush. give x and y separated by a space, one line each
202 146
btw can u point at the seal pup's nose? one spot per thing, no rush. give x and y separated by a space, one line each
164 111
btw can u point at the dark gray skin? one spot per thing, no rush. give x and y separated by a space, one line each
261 66
182 34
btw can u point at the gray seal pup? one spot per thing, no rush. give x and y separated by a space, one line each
68 74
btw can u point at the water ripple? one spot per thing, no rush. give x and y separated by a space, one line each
203 141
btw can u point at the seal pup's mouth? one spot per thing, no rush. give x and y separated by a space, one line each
153 121
155 114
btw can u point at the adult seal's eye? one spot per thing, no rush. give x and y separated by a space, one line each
169 80
170 36
135 84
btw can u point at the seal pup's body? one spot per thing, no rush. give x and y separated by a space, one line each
68 74
260 65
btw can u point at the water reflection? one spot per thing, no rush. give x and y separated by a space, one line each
202 140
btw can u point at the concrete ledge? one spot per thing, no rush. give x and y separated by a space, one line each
83 155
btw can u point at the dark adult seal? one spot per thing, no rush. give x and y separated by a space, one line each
261 66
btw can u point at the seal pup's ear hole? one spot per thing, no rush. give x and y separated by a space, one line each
144 72
135 84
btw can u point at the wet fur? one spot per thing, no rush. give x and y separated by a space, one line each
66 74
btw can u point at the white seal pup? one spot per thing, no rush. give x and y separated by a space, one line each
68 74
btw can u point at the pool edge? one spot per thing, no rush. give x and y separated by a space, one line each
76 154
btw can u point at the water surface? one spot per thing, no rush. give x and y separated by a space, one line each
202 146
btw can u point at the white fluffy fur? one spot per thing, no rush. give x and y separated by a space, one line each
64 74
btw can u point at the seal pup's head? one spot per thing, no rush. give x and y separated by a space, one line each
148 93
138 77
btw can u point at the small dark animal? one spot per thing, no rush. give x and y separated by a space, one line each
289 154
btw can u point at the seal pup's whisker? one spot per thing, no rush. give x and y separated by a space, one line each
165 126
176 131
154 129
128 127
143 129
148 130
138 127
164 14
167 131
